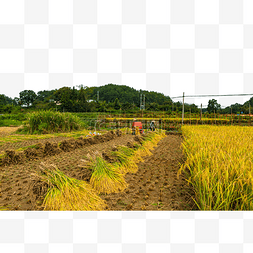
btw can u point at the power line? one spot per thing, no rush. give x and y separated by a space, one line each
222 106
226 95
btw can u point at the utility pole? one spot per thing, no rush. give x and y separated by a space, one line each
183 110
144 102
201 113
231 114
190 116
249 115
140 101
98 96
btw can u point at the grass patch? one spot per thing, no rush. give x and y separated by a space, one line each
7 120
10 122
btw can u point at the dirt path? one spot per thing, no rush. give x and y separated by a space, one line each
155 186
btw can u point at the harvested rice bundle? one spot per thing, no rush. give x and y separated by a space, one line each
154 138
151 137
150 141
87 163
65 193
106 178
141 152
144 150
124 130
127 159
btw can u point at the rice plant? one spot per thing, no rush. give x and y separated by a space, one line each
144 149
220 166
65 193
151 141
129 157
106 178
125 156
109 177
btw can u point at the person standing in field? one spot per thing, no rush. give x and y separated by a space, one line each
152 125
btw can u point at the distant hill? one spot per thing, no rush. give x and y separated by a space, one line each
126 94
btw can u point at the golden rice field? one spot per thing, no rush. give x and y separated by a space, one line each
220 166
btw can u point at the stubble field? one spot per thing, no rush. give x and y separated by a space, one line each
153 185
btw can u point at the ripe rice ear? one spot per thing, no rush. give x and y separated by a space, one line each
106 178
219 161
145 148
125 156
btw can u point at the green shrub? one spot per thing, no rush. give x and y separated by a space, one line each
11 119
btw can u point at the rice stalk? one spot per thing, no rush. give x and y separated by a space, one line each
125 156
219 161
65 193
106 178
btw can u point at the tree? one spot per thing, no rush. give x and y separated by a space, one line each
194 108
63 95
27 97
126 94
153 107
247 106
213 106
127 106
116 104
101 106
16 101
166 106
4 100
45 95
178 106
236 108
82 99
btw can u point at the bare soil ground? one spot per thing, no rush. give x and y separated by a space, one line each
17 145
154 187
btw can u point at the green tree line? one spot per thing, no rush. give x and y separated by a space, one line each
107 98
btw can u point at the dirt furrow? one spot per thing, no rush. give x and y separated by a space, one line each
155 186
